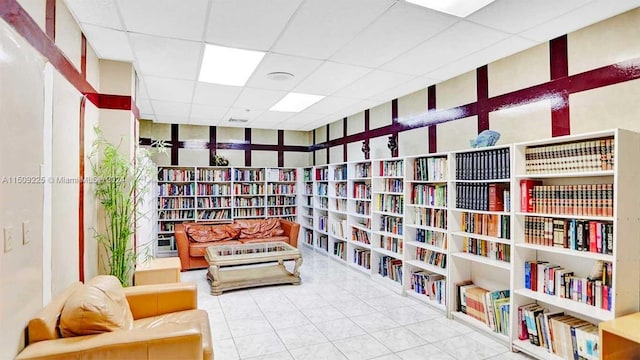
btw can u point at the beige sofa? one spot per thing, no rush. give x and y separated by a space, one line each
102 320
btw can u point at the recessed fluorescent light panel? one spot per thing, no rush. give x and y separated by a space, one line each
228 66
296 102
459 8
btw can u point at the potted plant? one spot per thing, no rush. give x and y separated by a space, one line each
220 160
118 189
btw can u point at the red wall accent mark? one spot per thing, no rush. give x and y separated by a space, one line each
247 153
367 127
344 133
559 65
482 89
50 19
135 110
431 106
213 139
174 144
280 148
394 125
83 57
314 143
328 149
81 191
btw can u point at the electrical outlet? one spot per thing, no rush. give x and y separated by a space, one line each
8 239
26 232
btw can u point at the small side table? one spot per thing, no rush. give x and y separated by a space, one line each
158 271
620 338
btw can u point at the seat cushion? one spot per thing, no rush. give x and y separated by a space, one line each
181 317
209 232
259 228
98 306
199 249
269 239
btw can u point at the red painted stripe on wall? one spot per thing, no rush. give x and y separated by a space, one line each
344 133
83 57
247 153
174 144
280 148
81 174
395 126
367 126
213 139
431 106
559 66
482 89
50 19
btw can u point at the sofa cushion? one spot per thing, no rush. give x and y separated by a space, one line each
199 249
99 306
259 228
208 233
260 240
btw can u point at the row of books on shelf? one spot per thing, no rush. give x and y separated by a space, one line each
483 165
215 202
391 224
214 189
362 191
281 201
284 175
594 289
363 170
486 224
489 307
306 175
563 335
488 249
176 190
392 168
579 199
174 203
341 205
430 217
434 286
279 211
360 235
393 185
248 174
322 174
278 189
175 214
434 238
579 156
214 174
390 203
323 203
323 189
483 196
340 249
391 268
433 195
250 189
362 257
308 189
341 190
323 222
308 237
431 257
339 228
248 201
430 169
214 214
246 212
175 175
581 235
392 244
323 242
340 173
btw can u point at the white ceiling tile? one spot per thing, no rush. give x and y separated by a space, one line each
258 98
144 106
96 12
398 30
516 16
409 87
108 43
208 112
331 104
589 14
461 39
320 27
299 67
171 108
171 119
169 89
172 58
248 24
203 121
165 17
215 95
273 117
142 88
373 83
300 120
330 77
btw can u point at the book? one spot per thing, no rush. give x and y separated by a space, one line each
526 194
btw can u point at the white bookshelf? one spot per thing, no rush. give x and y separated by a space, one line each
305 210
359 215
321 209
338 197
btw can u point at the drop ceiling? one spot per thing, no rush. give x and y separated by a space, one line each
356 53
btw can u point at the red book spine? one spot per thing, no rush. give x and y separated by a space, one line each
593 245
526 194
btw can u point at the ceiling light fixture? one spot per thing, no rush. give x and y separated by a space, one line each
296 102
280 76
459 8
228 66
234 120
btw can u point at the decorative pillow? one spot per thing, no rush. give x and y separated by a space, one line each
208 233
97 307
266 228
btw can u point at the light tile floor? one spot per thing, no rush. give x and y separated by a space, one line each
336 313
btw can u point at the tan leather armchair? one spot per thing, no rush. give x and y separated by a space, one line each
166 325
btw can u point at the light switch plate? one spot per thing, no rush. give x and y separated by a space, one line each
26 232
8 239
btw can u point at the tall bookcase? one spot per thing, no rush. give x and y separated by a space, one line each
321 209
213 193
248 193
359 215
305 217
426 239
577 214
282 193
387 221
338 211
